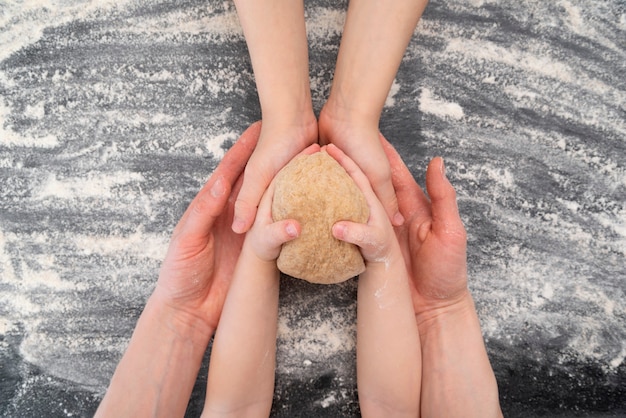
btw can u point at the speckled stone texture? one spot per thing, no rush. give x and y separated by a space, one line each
317 192
114 113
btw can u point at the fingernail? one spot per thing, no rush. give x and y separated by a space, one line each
443 168
339 230
238 225
291 230
398 219
218 189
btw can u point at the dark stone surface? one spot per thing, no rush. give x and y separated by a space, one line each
113 114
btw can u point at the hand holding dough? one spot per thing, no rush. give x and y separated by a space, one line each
317 192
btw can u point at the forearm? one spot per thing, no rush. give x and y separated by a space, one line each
388 348
156 374
241 369
374 40
458 380
276 36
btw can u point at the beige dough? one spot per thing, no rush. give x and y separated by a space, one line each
317 192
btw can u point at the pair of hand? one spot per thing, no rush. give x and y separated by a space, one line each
196 273
279 143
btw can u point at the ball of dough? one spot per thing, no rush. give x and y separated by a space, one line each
317 192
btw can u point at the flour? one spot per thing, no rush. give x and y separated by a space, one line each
313 339
23 23
390 101
10 138
323 23
439 107
92 186
101 153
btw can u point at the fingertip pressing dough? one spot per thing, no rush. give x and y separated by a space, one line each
317 192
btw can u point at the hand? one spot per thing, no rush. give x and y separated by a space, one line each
203 251
276 147
432 239
374 238
266 237
360 141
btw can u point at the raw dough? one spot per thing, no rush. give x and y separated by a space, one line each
317 192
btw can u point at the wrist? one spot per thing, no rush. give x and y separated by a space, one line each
458 312
295 114
179 323
261 260
294 131
358 114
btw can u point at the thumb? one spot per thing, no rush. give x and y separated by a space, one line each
445 212
363 236
387 195
248 198
274 235
205 208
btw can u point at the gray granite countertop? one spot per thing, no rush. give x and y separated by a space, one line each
114 113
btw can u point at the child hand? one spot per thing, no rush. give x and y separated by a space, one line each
266 237
375 238
275 148
360 142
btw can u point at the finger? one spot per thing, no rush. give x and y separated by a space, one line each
236 158
257 177
254 184
410 196
383 187
353 170
227 172
363 236
207 206
278 233
445 212
311 149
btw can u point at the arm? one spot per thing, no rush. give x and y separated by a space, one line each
276 36
388 346
159 368
241 369
157 373
457 379
375 36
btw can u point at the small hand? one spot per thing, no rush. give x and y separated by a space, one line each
433 238
266 237
197 269
276 147
374 238
360 141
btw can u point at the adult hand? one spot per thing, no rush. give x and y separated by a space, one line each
457 378
160 365
203 251
433 238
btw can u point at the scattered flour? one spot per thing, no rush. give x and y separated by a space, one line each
10 138
440 108
395 88
323 23
92 186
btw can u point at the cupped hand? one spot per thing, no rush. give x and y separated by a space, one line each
360 141
375 237
266 237
433 238
276 147
195 275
